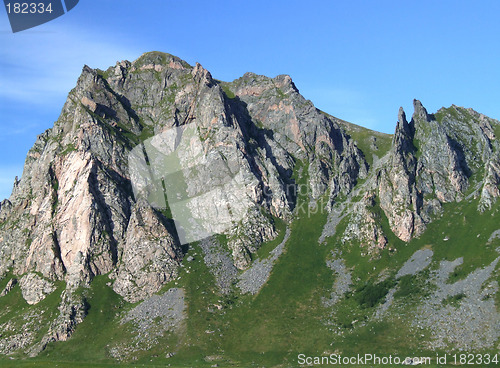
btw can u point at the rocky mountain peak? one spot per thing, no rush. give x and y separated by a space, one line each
160 58
403 136
420 113
81 217
200 74
285 82
401 118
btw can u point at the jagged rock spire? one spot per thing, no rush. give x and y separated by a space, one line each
420 113
403 136
403 125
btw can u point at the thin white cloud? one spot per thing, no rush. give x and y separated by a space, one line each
38 66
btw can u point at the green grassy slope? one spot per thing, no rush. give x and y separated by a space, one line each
287 316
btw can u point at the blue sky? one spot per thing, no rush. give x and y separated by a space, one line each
357 60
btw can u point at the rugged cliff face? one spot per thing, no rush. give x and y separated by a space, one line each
434 159
73 214
76 212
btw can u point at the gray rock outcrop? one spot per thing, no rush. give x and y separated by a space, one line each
10 285
150 255
34 288
434 159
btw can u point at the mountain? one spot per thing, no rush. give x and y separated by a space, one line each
172 217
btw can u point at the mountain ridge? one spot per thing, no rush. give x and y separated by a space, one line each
80 211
